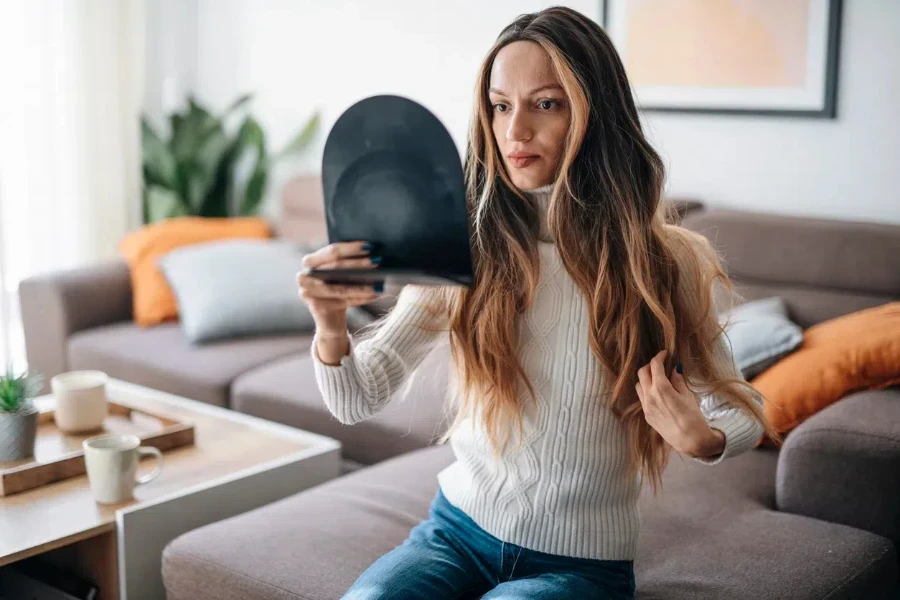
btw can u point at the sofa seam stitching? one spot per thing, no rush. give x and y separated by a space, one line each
843 585
238 573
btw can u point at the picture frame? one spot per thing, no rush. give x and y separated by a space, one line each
777 58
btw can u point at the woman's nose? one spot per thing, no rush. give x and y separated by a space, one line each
519 130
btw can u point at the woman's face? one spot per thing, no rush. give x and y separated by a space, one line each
530 114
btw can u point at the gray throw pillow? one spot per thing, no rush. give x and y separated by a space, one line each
760 334
236 288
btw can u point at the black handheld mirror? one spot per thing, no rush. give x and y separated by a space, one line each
391 176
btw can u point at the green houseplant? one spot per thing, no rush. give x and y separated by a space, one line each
195 171
18 416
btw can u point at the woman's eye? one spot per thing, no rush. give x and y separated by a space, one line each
547 104
500 107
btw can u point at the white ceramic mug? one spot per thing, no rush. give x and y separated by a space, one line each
112 461
80 400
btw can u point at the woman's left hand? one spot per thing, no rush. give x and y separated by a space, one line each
674 411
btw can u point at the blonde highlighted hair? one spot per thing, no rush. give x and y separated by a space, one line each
649 285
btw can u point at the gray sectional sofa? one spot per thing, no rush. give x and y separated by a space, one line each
819 518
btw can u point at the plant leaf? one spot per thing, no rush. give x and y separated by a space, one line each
251 134
194 127
252 141
17 390
176 123
302 139
183 168
181 133
255 190
215 203
158 162
220 198
241 101
212 149
195 185
162 203
204 169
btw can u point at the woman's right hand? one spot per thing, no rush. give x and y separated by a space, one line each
327 302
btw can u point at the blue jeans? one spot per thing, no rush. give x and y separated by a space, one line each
449 557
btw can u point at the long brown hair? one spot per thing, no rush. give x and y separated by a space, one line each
648 284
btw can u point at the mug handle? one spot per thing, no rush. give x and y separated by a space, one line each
150 450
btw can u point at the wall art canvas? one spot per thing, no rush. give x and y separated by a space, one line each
729 56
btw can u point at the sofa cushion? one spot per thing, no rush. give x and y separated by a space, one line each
854 352
310 546
160 357
234 288
286 391
154 301
760 334
714 533
711 535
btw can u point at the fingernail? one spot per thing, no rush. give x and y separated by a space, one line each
367 247
375 260
379 287
679 368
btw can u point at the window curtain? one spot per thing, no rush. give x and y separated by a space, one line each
71 76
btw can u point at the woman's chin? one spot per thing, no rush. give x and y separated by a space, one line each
529 181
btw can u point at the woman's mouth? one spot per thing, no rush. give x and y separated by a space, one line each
520 160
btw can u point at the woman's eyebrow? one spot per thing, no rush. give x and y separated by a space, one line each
549 86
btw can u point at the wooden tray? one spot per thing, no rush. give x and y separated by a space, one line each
59 456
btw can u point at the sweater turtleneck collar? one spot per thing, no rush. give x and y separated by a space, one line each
541 196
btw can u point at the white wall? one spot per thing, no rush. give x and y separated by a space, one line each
302 55
171 50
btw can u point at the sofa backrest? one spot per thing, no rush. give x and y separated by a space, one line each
822 268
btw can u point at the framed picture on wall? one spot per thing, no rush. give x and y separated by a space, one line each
769 57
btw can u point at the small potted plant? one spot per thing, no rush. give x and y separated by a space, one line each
18 415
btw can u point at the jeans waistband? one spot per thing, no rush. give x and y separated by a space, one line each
450 515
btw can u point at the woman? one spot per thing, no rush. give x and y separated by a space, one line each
566 400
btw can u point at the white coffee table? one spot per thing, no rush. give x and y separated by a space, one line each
237 463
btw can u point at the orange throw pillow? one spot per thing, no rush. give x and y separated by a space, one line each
154 301
851 353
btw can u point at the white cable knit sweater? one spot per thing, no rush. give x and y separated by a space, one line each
566 490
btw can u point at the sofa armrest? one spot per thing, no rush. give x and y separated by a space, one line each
56 305
843 464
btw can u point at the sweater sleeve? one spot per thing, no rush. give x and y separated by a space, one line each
741 429
376 368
